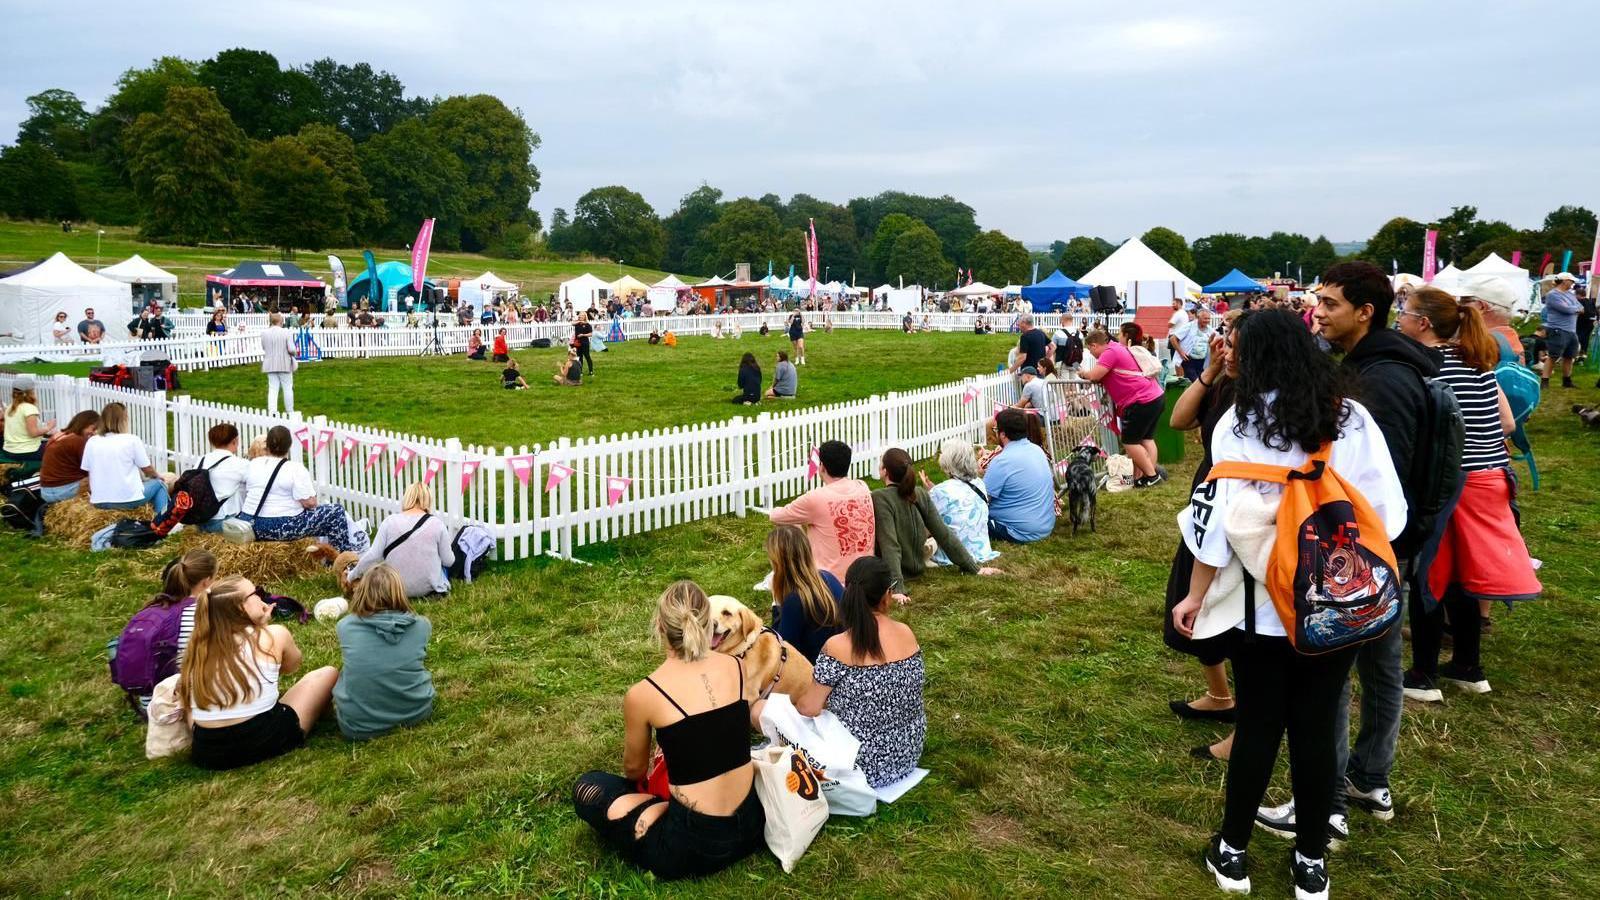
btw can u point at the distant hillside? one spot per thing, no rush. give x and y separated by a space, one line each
1345 248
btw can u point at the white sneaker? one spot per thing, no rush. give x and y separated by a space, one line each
764 584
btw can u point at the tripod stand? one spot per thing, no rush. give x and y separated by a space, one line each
433 347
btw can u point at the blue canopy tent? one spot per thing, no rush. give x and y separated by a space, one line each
1054 292
1235 282
396 278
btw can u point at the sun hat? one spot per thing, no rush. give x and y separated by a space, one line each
1493 290
1563 276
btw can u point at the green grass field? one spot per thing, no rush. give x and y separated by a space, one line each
1057 768
28 242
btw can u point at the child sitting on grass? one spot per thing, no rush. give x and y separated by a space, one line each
384 683
569 372
511 378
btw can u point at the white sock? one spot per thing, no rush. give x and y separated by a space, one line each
1222 845
1304 860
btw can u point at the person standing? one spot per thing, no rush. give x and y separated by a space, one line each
91 330
797 340
278 361
1179 317
1032 343
1496 300
581 330
1190 343
1561 311
1138 401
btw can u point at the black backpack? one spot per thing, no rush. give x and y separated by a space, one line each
22 504
1436 475
203 503
134 534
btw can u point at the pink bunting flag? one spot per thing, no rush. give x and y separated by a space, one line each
616 486
303 435
323 437
374 451
431 470
1031 411
813 463
998 407
1061 414
346 446
522 467
969 395
405 455
468 469
558 474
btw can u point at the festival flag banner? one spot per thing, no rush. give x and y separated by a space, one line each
1430 254
1594 259
1516 256
346 446
303 435
558 474
431 470
1566 262
323 438
969 395
374 451
468 469
419 255
616 486
522 467
1544 266
813 463
405 455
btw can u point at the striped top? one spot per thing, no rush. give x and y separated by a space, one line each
1479 396
185 629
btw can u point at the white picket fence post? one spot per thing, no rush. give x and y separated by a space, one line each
764 478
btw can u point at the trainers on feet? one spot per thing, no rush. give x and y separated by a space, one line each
1338 831
1278 820
1227 866
1567 382
1310 877
1378 801
1144 481
1468 679
1419 687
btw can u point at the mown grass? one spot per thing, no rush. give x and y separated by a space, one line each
1057 769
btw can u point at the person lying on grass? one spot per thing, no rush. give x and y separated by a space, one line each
384 684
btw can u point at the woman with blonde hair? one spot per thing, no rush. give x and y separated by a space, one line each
24 433
694 705
384 684
808 612
230 680
414 543
118 467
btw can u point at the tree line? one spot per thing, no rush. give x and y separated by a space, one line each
238 148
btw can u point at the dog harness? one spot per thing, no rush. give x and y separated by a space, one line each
783 659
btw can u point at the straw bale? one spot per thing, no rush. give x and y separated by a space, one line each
75 521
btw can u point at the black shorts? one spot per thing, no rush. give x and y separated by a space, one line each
1139 421
260 737
683 843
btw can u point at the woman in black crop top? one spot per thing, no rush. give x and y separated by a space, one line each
694 705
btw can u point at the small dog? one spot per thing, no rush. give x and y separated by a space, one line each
771 664
1590 415
1083 487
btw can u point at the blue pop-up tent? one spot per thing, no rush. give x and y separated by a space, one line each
396 278
1053 292
1235 282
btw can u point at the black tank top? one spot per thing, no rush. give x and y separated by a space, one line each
702 746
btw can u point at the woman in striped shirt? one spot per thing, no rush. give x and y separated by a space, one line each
1480 554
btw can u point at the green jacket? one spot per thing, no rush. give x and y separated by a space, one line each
902 528
383 683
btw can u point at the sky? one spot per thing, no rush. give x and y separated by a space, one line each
1051 120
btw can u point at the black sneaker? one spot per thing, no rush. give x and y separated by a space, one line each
1567 382
1419 687
1468 679
1310 879
1228 867
1378 801
1157 478
1144 481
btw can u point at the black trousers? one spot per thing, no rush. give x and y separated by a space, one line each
1278 690
583 355
1427 631
682 843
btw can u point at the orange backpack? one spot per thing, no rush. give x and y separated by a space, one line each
1332 575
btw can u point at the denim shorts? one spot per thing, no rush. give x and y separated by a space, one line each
1561 344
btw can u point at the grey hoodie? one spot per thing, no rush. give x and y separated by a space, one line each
383 683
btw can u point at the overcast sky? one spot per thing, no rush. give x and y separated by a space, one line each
1050 119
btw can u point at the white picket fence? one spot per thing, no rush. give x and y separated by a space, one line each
669 476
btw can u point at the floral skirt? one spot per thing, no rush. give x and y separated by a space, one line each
326 521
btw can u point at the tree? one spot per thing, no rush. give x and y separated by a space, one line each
695 213
138 91
56 121
1082 254
35 184
264 100
496 147
996 259
290 197
918 256
1217 254
363 212
1399 240
1578 217
185 167
883 239
358 100
836 234
746 231
562 239
1319 257
955 222
414 178
616 223
1057 248
1170 246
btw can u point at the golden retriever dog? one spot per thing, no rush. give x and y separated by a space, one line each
771 664
342 563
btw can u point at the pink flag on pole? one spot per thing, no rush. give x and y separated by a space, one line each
1594 259
616 486
323 437
468 469
558 474
813 463
405 455
522 467
1430 254
303 435
419 255
1516 257
812 255
375 450
346 445
431 470
969 395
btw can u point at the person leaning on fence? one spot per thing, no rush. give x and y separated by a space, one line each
414 543
383 643
278 362
280 501
119 471
1019 483
25 431
1137 399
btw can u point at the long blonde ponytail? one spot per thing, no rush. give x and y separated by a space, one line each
683 620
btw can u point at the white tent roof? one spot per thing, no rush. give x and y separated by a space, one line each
714 281
1131 262
489 281
671 281
1494 265
1448 279
1012 290
30 300
137 269
583 291
975 289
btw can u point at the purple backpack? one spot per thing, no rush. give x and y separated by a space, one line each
147 651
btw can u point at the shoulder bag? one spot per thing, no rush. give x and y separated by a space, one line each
240 531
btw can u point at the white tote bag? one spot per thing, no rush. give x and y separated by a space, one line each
791 798
831 749
168 733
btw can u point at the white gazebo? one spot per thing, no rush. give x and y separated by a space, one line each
584 292
146 281
627 285
1134 262
485 290
1448 279
975 289
664 293
30 299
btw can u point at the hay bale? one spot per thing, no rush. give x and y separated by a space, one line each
75 521
263 562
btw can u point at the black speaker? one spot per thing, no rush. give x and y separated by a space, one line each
1105 300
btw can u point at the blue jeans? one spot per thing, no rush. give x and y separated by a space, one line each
155 494
58 494
1380 668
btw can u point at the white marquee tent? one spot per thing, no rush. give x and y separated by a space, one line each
148 281
1132 262
664 293
627 285
975 289
901 300
1448 279
484 290
30 299
584 291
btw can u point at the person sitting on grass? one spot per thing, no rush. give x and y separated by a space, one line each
904 517
384 684
569 372
808 613
961 501
413 542
511 377
280 501
838 515
475 348
502 351
694 705
1019 483
231 675
785 379
749 381
181 580
120 474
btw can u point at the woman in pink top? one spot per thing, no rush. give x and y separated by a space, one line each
1137 400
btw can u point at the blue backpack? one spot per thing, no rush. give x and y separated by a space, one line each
1520 383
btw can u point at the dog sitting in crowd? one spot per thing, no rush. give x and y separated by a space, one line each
1083 486
771 664
1589 414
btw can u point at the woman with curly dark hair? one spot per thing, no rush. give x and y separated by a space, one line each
1289 402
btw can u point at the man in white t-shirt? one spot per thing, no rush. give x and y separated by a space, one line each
1178 317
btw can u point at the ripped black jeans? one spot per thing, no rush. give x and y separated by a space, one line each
682 843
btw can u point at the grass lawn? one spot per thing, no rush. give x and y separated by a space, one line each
1057 768
637 386
28 242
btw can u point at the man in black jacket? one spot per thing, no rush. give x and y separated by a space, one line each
1352 314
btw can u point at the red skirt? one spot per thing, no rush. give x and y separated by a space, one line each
1481 550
